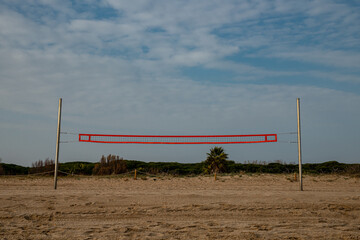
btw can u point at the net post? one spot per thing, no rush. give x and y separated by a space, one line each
57 144
299 143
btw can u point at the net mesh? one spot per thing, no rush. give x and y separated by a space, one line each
176 139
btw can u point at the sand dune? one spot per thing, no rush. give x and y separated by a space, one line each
234 207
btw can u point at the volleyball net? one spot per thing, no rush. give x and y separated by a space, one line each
177 139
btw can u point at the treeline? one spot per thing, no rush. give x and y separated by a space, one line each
332 167
112 165
13 169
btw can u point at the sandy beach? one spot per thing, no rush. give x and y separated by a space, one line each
233 207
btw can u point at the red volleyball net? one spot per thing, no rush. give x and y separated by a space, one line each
178 139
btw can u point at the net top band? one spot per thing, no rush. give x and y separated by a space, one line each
177 139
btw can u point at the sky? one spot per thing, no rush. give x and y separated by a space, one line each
180 67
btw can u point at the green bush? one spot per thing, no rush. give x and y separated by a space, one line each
13 169
81 168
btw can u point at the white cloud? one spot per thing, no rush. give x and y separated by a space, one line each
342 59
350 78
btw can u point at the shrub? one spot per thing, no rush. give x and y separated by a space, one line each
85 168
110 165
353 169
42 166
1 168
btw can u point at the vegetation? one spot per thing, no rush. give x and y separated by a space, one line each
80 168
13 169
115 165
1 168
110 165
172 168
216 161
42 166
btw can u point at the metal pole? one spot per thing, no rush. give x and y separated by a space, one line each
299 143
57 145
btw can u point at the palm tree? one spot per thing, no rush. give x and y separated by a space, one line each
216 160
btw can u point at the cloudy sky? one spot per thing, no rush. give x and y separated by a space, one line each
179 67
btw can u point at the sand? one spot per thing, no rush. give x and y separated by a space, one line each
233 207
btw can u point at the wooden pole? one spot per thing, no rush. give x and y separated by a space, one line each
135 175
57 145
299 144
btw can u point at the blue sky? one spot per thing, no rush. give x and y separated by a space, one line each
179 67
